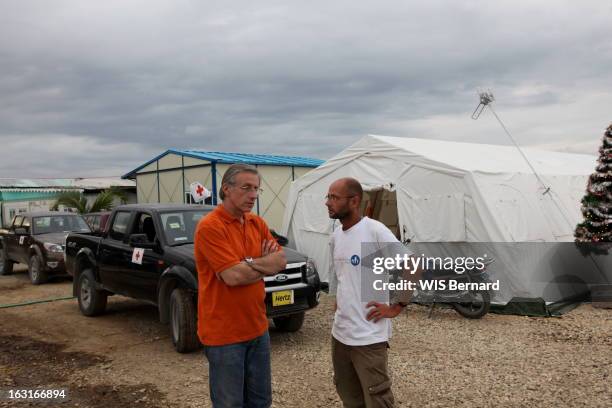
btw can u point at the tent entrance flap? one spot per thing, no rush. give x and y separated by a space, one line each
381 205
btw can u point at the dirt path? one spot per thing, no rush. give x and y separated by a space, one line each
125 357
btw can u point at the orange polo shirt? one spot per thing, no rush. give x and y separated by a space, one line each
229 314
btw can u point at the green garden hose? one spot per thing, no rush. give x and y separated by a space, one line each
33 302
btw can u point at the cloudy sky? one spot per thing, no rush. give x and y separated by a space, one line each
96 88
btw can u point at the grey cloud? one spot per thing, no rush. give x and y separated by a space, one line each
293 78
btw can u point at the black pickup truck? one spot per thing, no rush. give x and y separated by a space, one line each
37 240
147 253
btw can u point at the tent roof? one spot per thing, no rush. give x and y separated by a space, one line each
486 158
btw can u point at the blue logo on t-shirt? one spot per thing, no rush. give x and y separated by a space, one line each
355 260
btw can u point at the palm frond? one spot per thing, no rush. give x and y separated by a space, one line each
106 200
71 199
119 193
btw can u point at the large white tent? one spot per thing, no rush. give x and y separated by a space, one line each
442 191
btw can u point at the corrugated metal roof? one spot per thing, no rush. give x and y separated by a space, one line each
37 190
231 158
34 183
250 158
63 184
102 183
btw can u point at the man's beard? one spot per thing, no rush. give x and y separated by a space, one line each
340 215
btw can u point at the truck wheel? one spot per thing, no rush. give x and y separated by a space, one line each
183 321
36 270
290 323
6 266
92 301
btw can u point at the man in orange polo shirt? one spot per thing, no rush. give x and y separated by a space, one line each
234 250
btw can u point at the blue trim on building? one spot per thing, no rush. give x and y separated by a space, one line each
213 173
258 199
231 158
158 192
183 174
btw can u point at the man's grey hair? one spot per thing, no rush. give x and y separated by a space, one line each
230 175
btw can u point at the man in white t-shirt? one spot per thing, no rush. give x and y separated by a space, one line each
361 330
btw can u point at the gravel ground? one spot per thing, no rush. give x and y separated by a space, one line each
125 357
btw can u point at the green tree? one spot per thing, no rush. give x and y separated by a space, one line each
104 200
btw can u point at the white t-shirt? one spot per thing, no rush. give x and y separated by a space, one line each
350 324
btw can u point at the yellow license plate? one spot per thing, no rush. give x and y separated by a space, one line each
282 298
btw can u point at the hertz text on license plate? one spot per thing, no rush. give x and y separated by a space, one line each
283 297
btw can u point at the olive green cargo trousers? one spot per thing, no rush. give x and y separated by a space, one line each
361 375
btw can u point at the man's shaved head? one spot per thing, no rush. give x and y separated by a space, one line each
344 198
349 187
353 187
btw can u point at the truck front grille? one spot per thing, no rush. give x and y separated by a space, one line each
292 275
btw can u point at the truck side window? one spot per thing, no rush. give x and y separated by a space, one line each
144 225
26 224
17 222
120 225
95 222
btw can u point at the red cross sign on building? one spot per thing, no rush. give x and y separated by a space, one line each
199 192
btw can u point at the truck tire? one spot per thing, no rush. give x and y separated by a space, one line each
92 301
6 266
291 323
183 323
36 270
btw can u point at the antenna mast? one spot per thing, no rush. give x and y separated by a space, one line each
486 98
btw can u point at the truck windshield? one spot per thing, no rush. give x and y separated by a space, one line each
59 223
179 226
